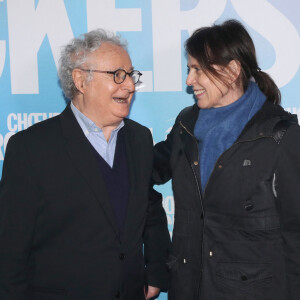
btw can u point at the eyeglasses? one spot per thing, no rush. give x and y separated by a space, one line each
120 74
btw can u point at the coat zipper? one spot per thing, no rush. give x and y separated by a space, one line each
202 206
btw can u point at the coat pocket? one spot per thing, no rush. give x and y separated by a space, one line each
243 275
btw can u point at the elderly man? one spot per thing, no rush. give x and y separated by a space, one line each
75 204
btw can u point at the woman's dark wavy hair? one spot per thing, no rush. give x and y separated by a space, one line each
220 44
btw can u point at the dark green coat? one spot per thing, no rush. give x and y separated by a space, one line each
240 237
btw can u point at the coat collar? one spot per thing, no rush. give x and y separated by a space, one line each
264 121
189 117
261 125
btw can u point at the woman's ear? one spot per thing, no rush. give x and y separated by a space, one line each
79 80
233 70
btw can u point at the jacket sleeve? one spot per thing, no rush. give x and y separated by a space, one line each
18 210
288 194
156 242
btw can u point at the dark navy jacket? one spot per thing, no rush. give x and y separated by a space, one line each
59 237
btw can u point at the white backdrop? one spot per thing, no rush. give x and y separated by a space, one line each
33 31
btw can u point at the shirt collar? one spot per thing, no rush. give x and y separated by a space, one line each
86 124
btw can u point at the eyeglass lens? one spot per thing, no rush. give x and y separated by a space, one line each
120 76
135 75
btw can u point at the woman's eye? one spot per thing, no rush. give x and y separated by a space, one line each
198 71
195 69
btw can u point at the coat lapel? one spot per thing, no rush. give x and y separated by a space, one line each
135 206
83 157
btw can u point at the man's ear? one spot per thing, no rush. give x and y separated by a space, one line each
233 70
79 80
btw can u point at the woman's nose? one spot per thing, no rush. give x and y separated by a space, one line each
189 79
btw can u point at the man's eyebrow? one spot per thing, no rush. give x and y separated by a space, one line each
123 68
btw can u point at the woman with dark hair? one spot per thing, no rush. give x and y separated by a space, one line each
234 161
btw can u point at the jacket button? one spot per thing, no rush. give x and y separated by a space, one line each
201 216
244 278
249 206
118 294
261 133
220 166
122 256
195 163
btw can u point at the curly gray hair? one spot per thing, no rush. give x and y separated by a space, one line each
76 53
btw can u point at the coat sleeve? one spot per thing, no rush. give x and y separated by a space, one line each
156 242
18 211
288 195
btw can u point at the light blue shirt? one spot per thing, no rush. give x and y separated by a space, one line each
96 137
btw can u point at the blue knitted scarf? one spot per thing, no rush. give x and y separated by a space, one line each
217 129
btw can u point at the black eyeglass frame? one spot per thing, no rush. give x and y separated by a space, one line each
115 72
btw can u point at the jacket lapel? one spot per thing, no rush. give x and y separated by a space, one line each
83 157
135 207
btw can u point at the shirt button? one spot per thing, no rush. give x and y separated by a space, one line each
195 163
122 256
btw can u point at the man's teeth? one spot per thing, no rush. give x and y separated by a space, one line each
120 100
199 92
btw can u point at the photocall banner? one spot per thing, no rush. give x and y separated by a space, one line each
32 33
